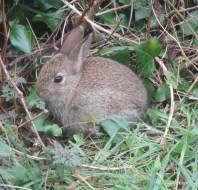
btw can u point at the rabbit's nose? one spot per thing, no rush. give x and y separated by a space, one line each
42 93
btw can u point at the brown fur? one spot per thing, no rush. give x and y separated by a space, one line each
93 90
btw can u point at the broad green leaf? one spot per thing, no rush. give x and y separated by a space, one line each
45 5
5 150
53 130
183 85
40 121
162 93
125 2
50 19
114 49
145 63
153 47
155 115
195 91
142 13
34 100
44 126
195 42
171 79
110 18
122 56
146 53
192 20
112 126
22 38
142 9
150 87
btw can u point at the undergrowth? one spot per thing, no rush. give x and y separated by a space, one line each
158 40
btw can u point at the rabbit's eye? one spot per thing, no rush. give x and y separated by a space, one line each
59 79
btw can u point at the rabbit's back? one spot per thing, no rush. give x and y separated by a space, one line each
102 73
106 89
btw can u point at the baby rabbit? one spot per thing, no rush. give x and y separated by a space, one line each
78 90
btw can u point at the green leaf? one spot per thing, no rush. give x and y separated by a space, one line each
171 79
195 91
113 125
108 18
43 125
39 121
114 49
191 20
125 2
155 115
150 87
5 150
45 5
53 130
51 19
142 13
142 9
163 93
145 63
122 57
22 38
153 47
117 53
34 100
146 53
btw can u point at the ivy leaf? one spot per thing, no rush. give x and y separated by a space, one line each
142 10
34 100
22 38
145 63
47 128
163 93
122 56
191 20
51 20
45 5
146 53
150 87
53 130
141 13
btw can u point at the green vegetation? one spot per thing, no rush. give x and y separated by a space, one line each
159 40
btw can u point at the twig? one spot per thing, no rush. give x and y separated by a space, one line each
20 94
28 156
96 26
103 168
33 118
111 10
180 15
73 185
190 88
45 183
5 29
172 106
182 51
85 181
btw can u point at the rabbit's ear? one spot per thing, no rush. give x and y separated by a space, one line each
73 38
79 54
